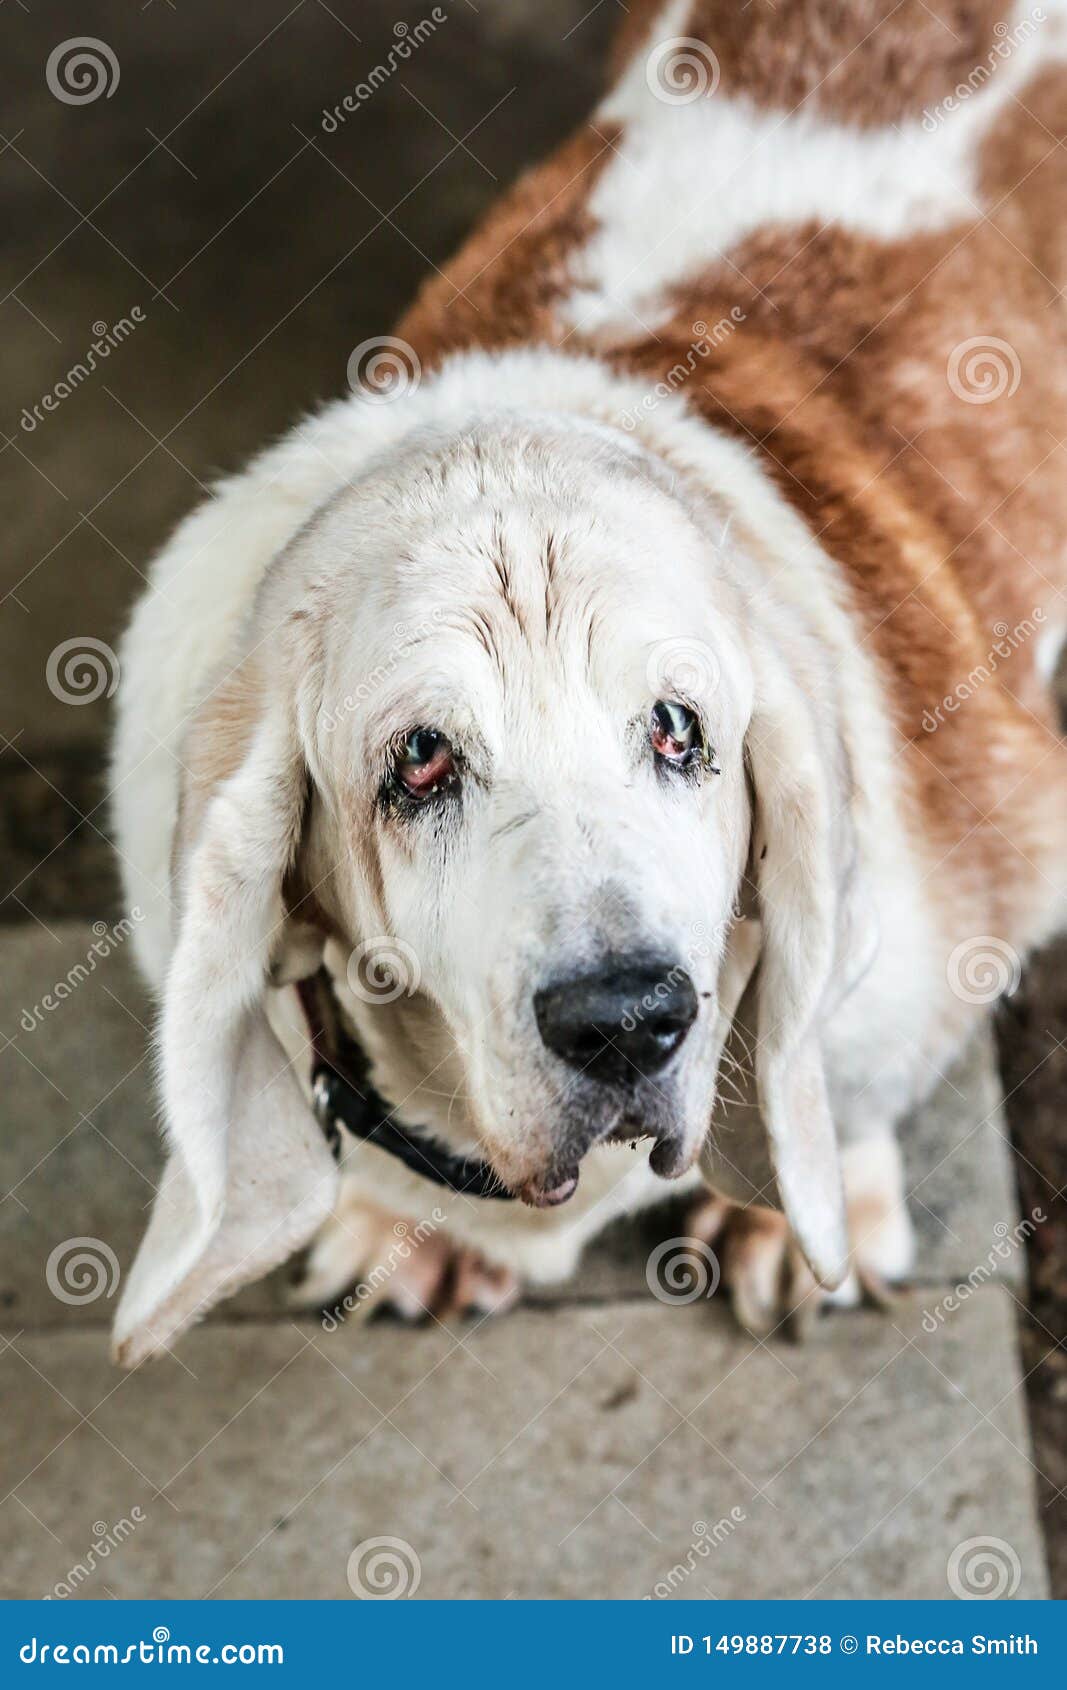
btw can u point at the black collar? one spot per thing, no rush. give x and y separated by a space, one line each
341 1092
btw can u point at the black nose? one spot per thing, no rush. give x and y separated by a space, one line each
620 1022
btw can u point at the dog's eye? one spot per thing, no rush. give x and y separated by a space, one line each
674 731
425 763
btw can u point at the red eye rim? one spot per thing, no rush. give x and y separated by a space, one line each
425 763
678 738
674 731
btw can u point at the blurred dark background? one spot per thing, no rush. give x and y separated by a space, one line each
258 248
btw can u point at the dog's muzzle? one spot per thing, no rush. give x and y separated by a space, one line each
617 1028
622 1023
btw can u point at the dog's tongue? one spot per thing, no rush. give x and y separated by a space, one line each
540 1197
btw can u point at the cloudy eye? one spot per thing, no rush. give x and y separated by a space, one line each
674 731
425 763
678 740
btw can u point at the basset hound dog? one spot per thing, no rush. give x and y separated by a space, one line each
615 744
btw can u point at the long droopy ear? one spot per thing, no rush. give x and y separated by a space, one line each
249 1176
798 870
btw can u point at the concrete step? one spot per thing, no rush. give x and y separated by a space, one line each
620 1451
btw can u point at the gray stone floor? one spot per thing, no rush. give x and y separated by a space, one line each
598 1443
571 1452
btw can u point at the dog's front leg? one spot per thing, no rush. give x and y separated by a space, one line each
366 1257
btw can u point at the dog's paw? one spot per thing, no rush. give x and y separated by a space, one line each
770 1285
365 1259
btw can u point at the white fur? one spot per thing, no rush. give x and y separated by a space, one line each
208 579
686 184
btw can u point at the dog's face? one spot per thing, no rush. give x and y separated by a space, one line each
506 725
525 706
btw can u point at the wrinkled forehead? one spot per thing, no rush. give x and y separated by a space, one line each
510 578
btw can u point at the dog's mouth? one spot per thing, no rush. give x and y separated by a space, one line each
668 1157
550 1192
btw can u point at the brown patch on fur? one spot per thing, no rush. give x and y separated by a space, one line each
863 62
502 286
1023 177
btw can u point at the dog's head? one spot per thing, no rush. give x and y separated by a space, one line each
505 726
